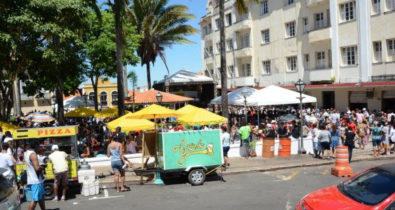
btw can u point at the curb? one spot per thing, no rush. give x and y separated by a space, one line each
241 171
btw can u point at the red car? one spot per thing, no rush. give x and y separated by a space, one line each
373 188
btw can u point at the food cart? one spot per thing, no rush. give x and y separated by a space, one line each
65 137
193 153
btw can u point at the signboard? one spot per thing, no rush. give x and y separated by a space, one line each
180 150
31 133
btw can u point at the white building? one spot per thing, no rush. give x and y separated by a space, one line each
344 49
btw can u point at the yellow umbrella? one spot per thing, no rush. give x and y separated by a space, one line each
154 111
187 109
81 112
128 124
201 117
109 112
8 127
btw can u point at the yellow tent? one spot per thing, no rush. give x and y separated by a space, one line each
81 112
154 111
128 124
201 117
109 112
8 127
187 109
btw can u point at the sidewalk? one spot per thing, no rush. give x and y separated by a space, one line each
243 165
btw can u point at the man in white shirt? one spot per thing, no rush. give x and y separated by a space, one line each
61 169
7 162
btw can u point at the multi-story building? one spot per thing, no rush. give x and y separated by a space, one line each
107 94
343 49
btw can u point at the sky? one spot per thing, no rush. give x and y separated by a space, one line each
180 56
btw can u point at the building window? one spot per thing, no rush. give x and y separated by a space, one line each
349 55
390 5
376 6
289 2
229 44
91 96
264 7
291 63
290 29
391 47
114 97
103 98
229 19
320 59
265 36
377 51
217 23
305 25
347 11
306 61
245 40
319 20
231 71
246 68
266 67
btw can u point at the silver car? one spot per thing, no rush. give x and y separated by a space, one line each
9 194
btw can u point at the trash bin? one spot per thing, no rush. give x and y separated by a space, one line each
285 147
268 147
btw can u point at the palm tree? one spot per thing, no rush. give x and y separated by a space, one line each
241 7
133 78
160 27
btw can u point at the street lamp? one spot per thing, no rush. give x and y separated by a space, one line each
159 97
300 85
244 93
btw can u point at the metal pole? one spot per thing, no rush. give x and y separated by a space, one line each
301 148
245 109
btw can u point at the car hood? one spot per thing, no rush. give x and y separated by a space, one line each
331 198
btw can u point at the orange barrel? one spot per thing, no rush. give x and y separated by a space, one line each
285 147
342 166
268 147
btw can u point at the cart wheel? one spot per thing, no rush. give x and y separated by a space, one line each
49 191
196 177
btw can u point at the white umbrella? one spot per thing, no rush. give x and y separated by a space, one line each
77 101
236 97
274 95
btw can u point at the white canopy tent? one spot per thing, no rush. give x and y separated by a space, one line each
77 101
274 95
236 97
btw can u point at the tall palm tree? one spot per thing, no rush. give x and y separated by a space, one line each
160 26
241 7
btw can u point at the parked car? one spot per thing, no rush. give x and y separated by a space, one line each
9 194
373 188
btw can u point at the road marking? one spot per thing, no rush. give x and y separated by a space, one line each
105 191
100 198
325 172
288 206
286 178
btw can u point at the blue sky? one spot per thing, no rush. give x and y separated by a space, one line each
185 56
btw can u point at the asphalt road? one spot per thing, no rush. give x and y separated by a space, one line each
266 190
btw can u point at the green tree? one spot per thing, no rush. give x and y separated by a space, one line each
160 26
133 78
101 48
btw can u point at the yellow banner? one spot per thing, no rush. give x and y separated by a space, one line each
31 133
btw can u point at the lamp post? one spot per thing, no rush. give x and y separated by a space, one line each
159 97
158 179
300 85
244 93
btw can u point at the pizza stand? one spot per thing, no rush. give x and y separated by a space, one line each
65 137
191 153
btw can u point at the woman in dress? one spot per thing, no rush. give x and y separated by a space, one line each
335 133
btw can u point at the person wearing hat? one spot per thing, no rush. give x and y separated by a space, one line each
61 171
118 135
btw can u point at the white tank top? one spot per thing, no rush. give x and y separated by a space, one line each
32 177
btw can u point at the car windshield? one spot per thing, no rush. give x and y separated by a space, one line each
369 188
5 187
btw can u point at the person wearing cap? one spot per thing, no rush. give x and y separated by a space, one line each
61 171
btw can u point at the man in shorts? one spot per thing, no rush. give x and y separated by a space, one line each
61 169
